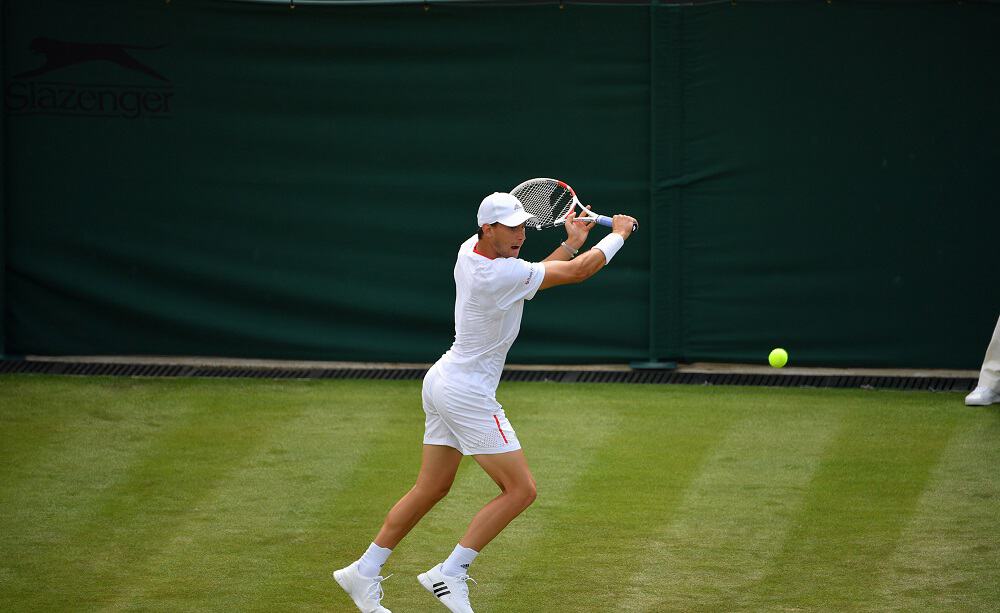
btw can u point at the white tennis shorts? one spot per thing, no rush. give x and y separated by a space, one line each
472 423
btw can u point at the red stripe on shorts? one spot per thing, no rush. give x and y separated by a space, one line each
496 419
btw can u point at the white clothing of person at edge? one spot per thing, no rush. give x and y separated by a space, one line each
987 391
462 416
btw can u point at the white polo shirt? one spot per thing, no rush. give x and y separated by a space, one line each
489 299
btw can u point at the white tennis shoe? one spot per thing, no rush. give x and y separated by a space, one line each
453 592
366 592
981 396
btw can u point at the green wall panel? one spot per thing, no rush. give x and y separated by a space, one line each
306 190
832 181
225 178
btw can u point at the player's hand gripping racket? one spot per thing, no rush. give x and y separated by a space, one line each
550 201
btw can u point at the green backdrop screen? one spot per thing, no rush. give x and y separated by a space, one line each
248 180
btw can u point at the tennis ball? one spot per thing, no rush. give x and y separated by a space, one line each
778 357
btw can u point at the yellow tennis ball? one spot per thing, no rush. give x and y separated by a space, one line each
778 357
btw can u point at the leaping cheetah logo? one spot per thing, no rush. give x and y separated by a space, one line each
60 54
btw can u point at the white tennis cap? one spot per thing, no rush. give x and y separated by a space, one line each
503 208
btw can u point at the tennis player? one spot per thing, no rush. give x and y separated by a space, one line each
462 416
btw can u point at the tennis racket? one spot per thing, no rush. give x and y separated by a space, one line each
550 201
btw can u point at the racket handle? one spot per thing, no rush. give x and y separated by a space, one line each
606 221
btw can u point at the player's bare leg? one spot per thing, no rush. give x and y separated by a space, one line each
448 580
361 580
517 491
437 473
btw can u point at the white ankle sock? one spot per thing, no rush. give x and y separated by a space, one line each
371 563
459 561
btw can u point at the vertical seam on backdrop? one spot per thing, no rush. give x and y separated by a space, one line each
669 332
4 166
678 213
651 344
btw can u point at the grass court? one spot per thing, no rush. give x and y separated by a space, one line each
243 495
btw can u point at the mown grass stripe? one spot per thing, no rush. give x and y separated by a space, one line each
129 519
866 488
271 504
644 468
84 439
948 556
734 516
48 428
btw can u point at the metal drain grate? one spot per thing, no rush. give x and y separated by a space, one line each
655 377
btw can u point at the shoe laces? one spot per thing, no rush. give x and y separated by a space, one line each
464 579
375 591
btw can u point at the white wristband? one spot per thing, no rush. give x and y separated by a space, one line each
609 246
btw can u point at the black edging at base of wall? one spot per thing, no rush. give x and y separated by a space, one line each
661 377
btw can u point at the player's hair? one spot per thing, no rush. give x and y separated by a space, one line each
481 229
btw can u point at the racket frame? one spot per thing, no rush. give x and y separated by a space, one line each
587 216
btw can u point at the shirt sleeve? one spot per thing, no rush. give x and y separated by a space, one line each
518 280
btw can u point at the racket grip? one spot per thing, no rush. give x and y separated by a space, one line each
606 221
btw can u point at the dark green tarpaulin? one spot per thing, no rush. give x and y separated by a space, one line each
829 175
221 178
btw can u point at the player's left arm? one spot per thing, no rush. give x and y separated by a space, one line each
576 236
591 261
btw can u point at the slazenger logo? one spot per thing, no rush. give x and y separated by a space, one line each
26 94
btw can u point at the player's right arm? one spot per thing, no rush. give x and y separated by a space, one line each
586 264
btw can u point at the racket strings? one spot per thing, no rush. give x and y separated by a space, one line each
547 201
